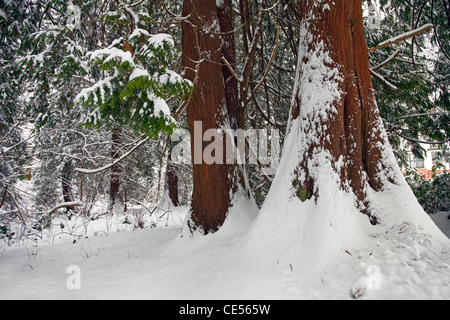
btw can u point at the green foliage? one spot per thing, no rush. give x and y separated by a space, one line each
432 194
134 76
303 194
418 110
138 84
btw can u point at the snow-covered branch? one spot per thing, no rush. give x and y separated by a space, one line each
64 205
403 37
123 157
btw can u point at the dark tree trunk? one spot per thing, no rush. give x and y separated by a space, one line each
172 182
66 182
67 189
115 192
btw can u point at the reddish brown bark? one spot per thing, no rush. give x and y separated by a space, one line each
214 184
352 130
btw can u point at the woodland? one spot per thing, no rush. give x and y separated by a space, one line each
104 104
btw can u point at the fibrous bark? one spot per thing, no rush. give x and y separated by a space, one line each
214 183
334 99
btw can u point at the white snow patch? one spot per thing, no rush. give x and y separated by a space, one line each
158 40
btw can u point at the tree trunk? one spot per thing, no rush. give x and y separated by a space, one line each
67 191
334 100
172 182
115 190
215 184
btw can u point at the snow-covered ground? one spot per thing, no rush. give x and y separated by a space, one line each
113 261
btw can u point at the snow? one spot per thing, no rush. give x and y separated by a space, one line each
138 72
298 251
158 40
112 53
138 32
100 85
3 14
160 106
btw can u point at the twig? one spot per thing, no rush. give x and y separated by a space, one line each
270 61
387 61
382 79
19 213
224 60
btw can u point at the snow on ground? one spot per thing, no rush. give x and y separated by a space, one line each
115 262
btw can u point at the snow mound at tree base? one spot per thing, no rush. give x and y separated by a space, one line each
325 248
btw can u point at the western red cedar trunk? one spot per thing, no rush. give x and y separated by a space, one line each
214 184
350 129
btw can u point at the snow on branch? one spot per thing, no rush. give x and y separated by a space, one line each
403 37
64 205
123 157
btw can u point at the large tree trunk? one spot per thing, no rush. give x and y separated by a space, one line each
337 164
215 184
343 121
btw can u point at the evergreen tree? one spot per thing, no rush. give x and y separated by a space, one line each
410 77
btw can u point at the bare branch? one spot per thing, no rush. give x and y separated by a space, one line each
224 60
270 61
387 61
382 79
425 114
